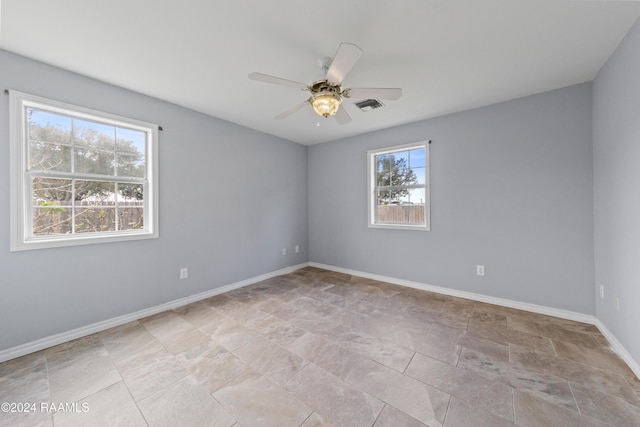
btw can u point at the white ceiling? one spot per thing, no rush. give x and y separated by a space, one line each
447 55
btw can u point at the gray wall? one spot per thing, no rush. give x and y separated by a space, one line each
230 199
616 137
511 188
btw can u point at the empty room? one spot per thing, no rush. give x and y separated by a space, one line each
296 213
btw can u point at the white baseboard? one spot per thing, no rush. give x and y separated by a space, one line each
618 347
41 344
534 308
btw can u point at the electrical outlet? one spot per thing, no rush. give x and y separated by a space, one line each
601 291
184 273
480 270
297 248
284 251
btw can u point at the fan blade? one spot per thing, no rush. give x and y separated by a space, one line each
277 81
345 58
342 116
292 110
387 94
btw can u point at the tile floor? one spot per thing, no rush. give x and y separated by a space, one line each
319 348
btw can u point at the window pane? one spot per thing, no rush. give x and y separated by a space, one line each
51 206
384 162
383 178
51 220
49 157
131 218
416 206
130 165
130 194
400 159
131 141
99 162
94 193
392 213
95 219
130 206
417 158
50 127
93 134
420 175
52 191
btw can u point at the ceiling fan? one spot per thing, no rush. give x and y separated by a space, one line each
327 95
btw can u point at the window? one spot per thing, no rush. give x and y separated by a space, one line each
79 176
399 187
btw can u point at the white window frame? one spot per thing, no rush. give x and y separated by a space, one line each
21 199
371 181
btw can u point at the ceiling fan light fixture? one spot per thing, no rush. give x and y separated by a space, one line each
326 104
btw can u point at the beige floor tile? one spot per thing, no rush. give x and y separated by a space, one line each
15 368
230 333
111 406
385 303
507 336
384 352
186 342
328 355
442 316
605 407
26 419
315 307
475 389
532 411
166 326
275 329
337 402
185 403
212 365
586 375
422 298
546 386
70 352
254 400
391 417
410 320
24 380
314 420
270 359
421 401
72 381
127 340
217 300
544 320
492 349
244 312
599 358
552 330
440 342
150 371
460 414
489 319
459 306
199 314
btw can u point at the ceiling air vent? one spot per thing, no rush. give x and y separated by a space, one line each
369 104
